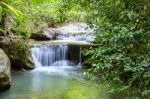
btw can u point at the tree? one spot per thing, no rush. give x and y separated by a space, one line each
5 10
123 54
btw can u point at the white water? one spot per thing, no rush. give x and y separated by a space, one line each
51 55
52 59
72 31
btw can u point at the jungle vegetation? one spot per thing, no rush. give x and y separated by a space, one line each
122 35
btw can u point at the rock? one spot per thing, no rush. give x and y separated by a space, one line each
5 77
70 31
40 36
18 52
48 34
74 53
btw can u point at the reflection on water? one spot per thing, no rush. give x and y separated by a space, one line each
52 83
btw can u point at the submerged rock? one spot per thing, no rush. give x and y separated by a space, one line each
18 52
5 77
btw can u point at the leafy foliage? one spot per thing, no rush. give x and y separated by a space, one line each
123 53
37 15
6 9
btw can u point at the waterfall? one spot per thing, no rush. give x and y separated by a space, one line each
54 55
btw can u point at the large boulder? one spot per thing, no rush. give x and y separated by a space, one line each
18 51
5 77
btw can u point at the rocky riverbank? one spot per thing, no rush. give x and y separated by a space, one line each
14 54
5 75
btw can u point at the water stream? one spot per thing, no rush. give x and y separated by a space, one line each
55 77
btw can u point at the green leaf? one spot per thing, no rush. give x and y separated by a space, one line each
17 12
1 30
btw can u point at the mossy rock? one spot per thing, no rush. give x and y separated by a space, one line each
18 51
5 77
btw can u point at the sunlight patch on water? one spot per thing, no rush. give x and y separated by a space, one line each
53 82
75 90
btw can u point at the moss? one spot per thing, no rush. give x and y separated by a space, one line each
18 51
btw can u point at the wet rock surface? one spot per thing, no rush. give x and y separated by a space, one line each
40 36
17 51
74 35
74 54
5 77
70 31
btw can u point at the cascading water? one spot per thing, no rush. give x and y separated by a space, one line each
58 58
57 74
54 55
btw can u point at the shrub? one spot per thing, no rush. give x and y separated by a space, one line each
123 54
